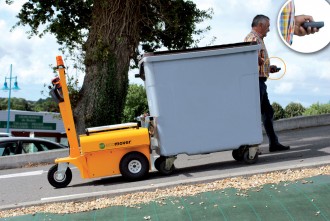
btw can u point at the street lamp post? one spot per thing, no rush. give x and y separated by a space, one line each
5 88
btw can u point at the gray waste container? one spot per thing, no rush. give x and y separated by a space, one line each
204 100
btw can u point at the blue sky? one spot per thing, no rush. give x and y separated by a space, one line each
306 81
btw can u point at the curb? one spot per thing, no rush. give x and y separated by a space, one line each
192 181
9 162
302 122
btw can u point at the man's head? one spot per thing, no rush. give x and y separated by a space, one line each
261 25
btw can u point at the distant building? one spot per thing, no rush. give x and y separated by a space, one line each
45 125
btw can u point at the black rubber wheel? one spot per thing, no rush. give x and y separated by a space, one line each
160 164
55 180
134 166
246 158
157 163
238 154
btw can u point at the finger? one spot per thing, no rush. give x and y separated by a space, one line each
302 31
309 30
308 18
315 30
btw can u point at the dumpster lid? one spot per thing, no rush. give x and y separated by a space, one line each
216 47
153 56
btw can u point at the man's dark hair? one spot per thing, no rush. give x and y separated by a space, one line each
259 19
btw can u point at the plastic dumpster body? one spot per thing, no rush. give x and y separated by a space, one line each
204 100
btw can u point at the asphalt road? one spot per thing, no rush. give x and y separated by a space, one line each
28 186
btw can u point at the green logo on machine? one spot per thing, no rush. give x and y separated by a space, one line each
102 146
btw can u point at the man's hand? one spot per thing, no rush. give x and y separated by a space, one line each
274 69
299 29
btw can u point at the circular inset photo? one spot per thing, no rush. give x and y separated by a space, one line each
304 26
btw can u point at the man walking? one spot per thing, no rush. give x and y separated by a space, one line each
260 28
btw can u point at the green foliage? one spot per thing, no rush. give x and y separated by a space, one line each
175 24
16 104
294 110
73 88
47 105
170 24
67 20
136 102
317 108
279 112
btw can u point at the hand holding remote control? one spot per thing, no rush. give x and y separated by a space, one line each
274 69
305 25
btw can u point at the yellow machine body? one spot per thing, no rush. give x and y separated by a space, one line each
104 150
116 139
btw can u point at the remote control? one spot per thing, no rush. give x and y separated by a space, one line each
275 69
312 24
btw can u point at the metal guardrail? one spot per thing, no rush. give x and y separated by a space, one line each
16 161
22 160
302 122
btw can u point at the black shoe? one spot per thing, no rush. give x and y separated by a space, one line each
278 147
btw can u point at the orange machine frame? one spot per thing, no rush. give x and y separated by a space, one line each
94 163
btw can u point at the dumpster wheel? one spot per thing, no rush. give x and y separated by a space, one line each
247 159
58 180
238 154
160 165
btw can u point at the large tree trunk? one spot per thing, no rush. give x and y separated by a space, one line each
112 40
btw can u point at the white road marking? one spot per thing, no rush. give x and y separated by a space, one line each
32 173
69 196
99 193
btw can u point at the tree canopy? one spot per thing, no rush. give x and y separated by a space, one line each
112 34
163 23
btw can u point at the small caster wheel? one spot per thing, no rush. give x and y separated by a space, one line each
57 179
247 159
238 154
160 164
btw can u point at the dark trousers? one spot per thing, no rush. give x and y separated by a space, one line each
267 112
